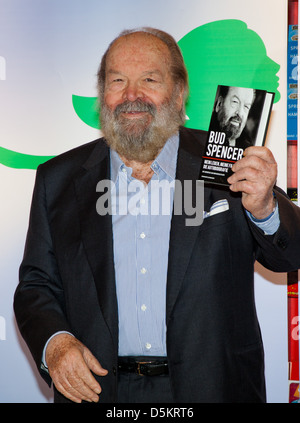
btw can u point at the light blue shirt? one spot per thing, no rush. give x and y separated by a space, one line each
141 247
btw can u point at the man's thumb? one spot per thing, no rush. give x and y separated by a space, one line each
94 364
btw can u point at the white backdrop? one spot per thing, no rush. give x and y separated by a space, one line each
49 51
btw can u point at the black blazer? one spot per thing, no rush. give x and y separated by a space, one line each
67 279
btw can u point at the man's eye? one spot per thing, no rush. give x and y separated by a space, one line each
150 80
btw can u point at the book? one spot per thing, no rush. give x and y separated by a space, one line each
240 119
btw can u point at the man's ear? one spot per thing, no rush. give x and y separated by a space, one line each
219 103
179 97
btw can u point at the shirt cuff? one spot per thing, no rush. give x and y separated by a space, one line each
268 225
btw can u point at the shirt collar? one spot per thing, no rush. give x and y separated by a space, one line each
116 164
166 161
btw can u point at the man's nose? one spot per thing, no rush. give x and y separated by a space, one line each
132 92
238 113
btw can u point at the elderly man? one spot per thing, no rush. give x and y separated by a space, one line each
140 307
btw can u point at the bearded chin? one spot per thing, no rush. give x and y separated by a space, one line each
140 139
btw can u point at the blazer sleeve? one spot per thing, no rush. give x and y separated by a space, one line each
280 252
39 297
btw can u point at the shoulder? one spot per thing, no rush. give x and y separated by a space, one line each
193 140
76 158
197 134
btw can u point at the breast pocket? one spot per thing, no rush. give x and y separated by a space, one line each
213 244
221 218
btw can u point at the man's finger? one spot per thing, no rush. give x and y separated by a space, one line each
70 365
76 383
93 364
79 387
69 393
261 152
76 393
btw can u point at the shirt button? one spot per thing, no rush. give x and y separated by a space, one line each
142 235
143 270
148 346
144 307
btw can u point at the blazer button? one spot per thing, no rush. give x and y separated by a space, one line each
114 371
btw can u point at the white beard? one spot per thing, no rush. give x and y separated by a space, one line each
140 139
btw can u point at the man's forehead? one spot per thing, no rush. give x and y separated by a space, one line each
138 40
244 93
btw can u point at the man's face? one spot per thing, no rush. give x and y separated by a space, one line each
233 110
140 99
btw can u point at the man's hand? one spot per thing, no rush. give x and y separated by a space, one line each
70 365
255 176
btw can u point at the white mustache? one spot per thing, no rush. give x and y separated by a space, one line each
135 106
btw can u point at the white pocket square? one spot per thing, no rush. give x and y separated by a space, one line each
218 207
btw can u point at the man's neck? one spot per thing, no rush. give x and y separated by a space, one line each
141 171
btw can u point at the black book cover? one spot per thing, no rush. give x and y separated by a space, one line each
239 120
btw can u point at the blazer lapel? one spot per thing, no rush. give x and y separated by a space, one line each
182 237
97 234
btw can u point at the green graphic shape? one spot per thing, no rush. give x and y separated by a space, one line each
227 53
222 52
17 160
87 110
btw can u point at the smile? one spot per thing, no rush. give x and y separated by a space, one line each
235 122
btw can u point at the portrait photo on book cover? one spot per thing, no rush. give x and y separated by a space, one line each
238 113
